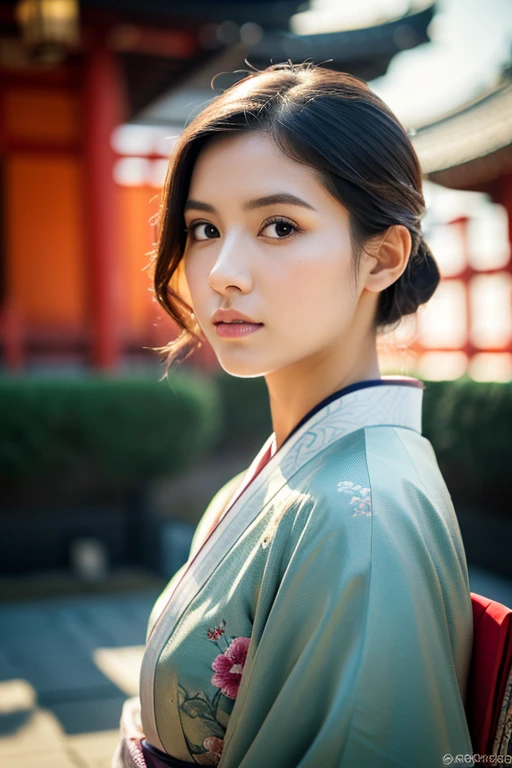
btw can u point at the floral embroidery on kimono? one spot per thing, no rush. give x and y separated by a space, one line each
360 497
228 667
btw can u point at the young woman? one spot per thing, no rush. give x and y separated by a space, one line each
324 617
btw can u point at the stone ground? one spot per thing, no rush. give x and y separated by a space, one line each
68 663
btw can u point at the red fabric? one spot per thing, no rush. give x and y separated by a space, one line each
490 666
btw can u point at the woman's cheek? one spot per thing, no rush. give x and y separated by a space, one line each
194 284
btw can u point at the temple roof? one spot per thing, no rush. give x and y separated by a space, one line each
471 144
363 52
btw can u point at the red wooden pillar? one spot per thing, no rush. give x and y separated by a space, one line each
12 348
465 276
103 111
506 200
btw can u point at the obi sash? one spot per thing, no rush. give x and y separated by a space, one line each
154 758
133 751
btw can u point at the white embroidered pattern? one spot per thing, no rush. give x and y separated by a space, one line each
360 497
397 405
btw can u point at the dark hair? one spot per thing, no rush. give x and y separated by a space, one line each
334 123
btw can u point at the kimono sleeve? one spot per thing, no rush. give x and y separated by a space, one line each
352 667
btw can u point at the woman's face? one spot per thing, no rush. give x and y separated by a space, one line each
284 263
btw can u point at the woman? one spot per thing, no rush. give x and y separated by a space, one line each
324 615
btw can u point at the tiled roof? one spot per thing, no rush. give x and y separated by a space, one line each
476 130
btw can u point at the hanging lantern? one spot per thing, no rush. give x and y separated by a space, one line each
50 28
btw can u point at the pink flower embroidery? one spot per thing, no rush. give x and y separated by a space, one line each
216 632
229 666
214 745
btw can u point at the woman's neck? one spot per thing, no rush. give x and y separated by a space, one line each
295 390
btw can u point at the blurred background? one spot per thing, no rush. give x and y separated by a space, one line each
105 468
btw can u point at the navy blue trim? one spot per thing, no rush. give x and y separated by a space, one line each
353 388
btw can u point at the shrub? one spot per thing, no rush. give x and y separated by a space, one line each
469 423
102 435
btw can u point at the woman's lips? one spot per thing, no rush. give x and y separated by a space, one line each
236 330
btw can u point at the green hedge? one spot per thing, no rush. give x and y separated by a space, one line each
103 434
469 424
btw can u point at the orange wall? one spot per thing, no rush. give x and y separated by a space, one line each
138 205
45 245
46 226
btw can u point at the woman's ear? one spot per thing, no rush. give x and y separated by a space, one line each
389 256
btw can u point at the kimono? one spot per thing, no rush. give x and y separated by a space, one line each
324 616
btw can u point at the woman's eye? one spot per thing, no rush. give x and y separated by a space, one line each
201 230
278 229
281 228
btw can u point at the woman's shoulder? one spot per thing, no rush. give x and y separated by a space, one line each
378 500
402 465
386 475
378 458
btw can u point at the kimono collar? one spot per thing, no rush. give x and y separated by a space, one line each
403 406
390 400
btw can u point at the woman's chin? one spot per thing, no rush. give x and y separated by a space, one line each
250 363
243 370
244 363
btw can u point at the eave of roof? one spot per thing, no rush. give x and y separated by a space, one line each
474 131
383 39
365 53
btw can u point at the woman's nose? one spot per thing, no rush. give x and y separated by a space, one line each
231 268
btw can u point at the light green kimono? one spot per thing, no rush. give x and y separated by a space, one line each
327 621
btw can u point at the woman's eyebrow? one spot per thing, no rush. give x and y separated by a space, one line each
259 202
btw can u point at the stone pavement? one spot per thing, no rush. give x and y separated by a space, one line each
67 664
